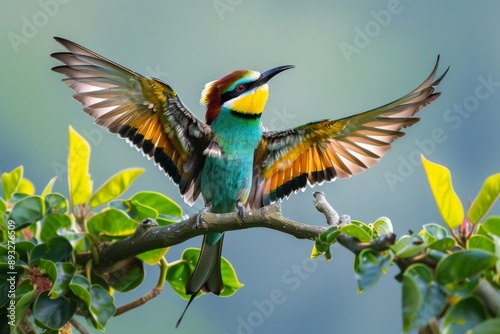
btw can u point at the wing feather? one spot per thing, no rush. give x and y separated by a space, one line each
146 112
287 161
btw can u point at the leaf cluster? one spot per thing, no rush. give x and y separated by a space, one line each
450 275
50 246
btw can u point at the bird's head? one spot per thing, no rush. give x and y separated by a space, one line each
242 91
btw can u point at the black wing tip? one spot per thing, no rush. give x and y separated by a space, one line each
438 80
63 41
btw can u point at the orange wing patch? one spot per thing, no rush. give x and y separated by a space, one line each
287 161
147 112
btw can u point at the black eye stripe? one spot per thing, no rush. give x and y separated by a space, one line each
233 93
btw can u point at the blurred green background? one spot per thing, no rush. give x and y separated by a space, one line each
350 57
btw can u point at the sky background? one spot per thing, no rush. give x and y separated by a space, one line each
350 56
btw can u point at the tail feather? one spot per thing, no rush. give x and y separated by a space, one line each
214 283
185 309
207 276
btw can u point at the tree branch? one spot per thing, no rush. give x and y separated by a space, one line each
332 218
149 236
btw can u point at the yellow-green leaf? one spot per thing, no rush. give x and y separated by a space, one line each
154 256
80 184
485 199
448 203
10 182
111 222
26 187
115 186
49 186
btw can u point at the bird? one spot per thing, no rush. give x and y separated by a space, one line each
230 158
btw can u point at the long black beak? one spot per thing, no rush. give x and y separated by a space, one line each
267 75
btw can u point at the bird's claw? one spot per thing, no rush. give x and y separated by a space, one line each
199 218
241 210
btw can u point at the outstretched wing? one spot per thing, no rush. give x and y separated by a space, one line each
146 112
286 161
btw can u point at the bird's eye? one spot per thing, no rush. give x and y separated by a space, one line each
239 88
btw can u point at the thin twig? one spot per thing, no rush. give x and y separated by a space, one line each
354 245
78 326
322 205
148 296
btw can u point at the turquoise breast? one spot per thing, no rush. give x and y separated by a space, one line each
226 179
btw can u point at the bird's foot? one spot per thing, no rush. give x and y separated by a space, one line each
199 218
241 210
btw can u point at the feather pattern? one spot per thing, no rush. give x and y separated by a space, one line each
290 160
146 112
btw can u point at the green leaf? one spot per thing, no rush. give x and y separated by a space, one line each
49 186
481 242
55 203
111 222
356 232
448 203
463 316
61 274
412 298
363 226
319 251
419 307
485 199
438 232
26 211
52 223
168 211
56 250
127 278
492 225
3 206
99 302
464 264
382 226
80 286
408 246
443 244
10 182
231 283
368 266
178 273
489 326
115 186
102 306
324 241
25 293
436 237
24 248
80 184
135 210
53 313
154 256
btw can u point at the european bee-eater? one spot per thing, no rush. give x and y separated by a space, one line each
229 158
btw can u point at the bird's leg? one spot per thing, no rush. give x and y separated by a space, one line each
199 217
241 210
